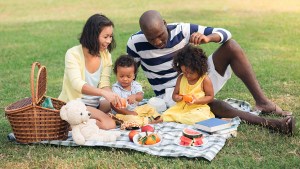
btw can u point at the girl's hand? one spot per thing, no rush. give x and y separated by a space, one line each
178 97
193 101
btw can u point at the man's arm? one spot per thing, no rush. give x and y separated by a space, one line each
204 34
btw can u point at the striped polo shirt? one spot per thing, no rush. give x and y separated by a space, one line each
157 63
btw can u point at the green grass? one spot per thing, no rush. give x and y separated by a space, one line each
41 31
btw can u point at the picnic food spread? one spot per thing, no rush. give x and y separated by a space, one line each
147 128
191 138
132 133
147 138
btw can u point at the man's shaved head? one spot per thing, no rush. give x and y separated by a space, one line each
151 20
154 28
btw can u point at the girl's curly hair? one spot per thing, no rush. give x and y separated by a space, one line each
191 57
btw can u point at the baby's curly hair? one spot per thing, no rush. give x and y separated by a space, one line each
125 61
191 57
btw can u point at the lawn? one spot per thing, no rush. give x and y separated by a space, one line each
42 31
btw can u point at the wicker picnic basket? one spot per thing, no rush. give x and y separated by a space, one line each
30 121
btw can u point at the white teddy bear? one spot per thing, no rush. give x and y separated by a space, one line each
84 128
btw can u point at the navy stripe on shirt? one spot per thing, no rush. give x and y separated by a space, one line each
157 93
132 53
208 31
193 28
171 27
158 81
161 60
164 72
176 40
225 37
142 46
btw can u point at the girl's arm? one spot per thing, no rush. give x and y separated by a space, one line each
208 90
175 96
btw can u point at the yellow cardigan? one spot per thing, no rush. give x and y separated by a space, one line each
74 76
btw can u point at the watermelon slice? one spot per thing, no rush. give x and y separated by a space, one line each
185 141
197 141
189 133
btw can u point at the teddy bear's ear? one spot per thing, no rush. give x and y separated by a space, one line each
63 113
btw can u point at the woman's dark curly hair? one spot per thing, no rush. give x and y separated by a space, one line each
191 57
125 61
91 31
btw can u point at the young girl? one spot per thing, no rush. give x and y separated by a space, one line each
193 90
88 69
127 88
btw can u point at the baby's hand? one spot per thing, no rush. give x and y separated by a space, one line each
131 99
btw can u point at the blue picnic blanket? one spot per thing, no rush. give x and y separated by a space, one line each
169 145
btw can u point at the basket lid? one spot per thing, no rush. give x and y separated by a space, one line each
41 83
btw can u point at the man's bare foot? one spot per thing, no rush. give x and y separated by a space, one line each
285 125
272 108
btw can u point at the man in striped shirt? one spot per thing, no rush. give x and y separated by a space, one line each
154 47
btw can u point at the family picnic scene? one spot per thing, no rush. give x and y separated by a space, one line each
138 84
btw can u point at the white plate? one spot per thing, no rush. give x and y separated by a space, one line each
142 134
204 140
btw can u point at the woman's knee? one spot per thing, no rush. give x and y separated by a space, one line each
108 124
105 106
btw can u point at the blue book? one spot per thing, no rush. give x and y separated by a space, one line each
212 125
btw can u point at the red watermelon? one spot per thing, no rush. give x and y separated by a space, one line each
185 141
189 133
197 141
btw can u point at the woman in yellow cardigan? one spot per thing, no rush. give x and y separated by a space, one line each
88 70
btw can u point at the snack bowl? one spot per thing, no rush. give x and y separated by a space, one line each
137 137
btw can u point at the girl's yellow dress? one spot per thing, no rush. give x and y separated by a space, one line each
188 114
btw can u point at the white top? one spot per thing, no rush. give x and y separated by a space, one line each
93 80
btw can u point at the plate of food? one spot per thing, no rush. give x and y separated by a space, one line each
147 139
191 138
187 142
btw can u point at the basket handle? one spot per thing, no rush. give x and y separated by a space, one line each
32 81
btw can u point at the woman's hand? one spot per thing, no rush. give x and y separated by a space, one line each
112 97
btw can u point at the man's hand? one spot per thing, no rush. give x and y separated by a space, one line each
198 38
